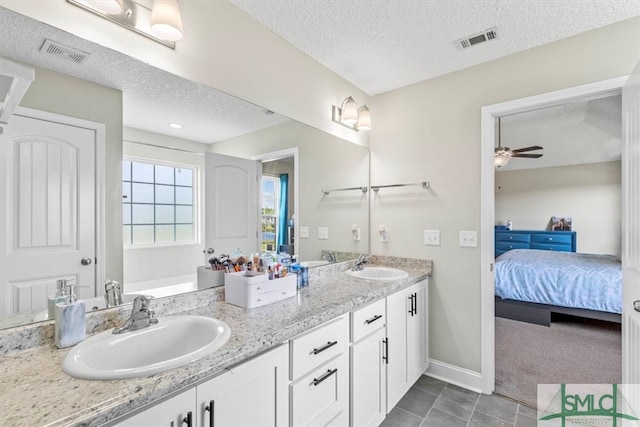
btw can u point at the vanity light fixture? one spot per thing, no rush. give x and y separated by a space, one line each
349 115
162 23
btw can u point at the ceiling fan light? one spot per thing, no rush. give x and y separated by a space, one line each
349 112
364 118
500 159
166 21
110 7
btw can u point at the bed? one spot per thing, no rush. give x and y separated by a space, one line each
531 285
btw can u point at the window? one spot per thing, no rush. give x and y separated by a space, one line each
270 200
158 203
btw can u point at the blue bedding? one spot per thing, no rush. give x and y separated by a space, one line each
566 279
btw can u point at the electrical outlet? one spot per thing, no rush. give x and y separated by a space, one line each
432 237
304 232
323 233
384 233
469 239
355 232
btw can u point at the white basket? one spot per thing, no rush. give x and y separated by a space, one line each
246 289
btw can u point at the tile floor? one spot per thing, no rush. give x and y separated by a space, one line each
433 403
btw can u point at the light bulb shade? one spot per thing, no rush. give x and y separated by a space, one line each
364 118
110 7
500 160
349 112
166 21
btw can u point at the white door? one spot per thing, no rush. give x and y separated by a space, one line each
47 211
231 206
631 236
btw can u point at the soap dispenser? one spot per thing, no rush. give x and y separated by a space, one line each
59 297
70 319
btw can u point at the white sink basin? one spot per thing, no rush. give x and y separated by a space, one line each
172 342
378 273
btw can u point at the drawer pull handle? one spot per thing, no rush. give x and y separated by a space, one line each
385 342
188 420
324 347
329 372
373 319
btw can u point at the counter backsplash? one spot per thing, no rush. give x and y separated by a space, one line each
38 334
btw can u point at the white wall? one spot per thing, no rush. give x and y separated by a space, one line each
431 130
589 194
158 262
73 97
326 162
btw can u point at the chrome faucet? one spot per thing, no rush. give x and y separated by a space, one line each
141 317
360 262
331 257
113 293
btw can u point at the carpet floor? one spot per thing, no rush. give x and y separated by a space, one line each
570 351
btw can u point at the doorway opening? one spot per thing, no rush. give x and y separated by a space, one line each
489 114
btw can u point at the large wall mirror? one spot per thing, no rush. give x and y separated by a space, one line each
138 161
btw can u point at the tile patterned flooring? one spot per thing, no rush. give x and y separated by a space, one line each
434 403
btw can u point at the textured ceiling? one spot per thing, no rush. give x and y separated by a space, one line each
381 45
152 98
580 132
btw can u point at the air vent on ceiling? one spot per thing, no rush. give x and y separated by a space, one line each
58 49
485 36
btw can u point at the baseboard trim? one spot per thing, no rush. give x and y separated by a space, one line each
462 377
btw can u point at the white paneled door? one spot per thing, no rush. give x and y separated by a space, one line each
232 192
48 211
631 238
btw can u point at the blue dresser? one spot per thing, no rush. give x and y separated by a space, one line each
534 239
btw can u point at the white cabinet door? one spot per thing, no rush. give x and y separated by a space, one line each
368 381
173 412
417 335
407 340
251 394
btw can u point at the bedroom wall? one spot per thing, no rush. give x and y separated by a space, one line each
589 194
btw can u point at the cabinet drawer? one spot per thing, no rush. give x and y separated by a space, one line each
552 247
319 398
509 237
506 246
551 238
319 345
367 319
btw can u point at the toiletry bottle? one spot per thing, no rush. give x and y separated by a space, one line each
61 289
304 269
70 323
509 225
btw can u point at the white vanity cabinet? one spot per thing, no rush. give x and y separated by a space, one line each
319 388
254 393
367 363
173 412
407 340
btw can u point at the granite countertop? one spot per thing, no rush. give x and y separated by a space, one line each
34 390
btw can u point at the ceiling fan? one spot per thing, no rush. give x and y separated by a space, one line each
504 154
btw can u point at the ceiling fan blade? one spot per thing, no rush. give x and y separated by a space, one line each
529 156
522 150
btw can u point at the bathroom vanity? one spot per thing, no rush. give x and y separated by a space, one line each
343 352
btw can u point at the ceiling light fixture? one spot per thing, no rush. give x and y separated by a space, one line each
175 125
349 115
162 24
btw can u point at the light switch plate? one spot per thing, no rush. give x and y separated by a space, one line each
384 233
355 232
323 233
432 237
304 232
469 239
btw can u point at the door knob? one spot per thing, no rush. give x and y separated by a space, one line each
85 261
636 305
